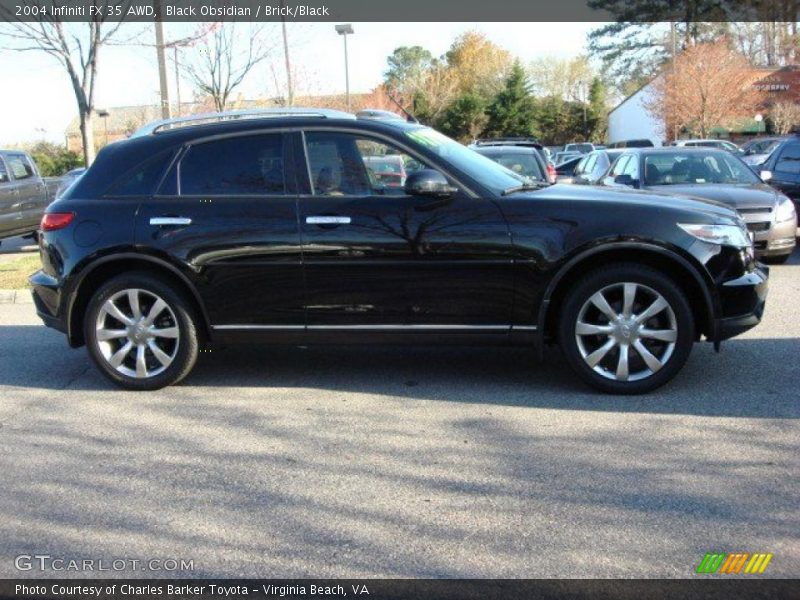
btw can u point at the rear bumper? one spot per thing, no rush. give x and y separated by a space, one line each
46 292
743 300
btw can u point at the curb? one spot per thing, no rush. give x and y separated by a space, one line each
22 296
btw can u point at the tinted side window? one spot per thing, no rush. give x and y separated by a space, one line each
20 166
249 165
789 159
342 164
143 179
3 172
632 168
620 165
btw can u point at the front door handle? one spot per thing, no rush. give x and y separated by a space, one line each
328 220
161 221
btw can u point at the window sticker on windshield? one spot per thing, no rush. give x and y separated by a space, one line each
427 137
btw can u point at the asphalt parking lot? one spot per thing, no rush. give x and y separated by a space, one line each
355 462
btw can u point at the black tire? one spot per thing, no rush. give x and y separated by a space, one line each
776 260
178 314
649 283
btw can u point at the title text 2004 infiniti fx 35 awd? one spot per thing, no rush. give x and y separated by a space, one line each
289 227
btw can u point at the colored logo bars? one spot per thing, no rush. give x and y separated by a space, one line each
734 563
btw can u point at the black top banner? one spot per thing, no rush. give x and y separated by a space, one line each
400 11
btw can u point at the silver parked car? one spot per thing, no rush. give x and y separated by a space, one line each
714 175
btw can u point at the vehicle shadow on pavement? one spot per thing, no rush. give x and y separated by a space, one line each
359 486
750 378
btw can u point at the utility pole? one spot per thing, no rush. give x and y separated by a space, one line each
177 82
162 64
673 34
289 91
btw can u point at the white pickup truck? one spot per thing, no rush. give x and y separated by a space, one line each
24 194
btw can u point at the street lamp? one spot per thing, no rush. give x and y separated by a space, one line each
344 30
759 118
104 114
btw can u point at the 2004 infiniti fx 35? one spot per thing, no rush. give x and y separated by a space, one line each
310 226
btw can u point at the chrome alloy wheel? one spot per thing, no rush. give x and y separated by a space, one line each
626 331
137 333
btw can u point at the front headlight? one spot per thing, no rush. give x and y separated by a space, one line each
785 211
724 235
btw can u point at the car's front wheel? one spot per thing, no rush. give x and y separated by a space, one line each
626 329
140 332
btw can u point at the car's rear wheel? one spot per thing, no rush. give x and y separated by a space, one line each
140 332
626 329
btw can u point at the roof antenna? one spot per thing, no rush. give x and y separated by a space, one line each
409 117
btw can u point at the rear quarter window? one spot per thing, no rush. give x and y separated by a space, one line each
142 179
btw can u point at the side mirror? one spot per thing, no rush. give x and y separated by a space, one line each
766 175
624 180
428 182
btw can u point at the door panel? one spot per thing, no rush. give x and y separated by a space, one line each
9 214
235 230
391 259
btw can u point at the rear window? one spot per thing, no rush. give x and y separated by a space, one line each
521 164
3 172
143 179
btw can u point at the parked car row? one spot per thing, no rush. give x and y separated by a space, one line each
714 174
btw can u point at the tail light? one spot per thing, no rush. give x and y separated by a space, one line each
55 221
551 173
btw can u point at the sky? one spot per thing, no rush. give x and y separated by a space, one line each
39 102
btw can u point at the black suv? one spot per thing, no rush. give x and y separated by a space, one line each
275 227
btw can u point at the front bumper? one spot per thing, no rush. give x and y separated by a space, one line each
742 301
779 240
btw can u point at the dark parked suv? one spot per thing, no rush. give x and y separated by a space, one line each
271 227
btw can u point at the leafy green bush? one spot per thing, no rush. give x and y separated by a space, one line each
54 160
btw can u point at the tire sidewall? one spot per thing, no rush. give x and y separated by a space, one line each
642 275
187 340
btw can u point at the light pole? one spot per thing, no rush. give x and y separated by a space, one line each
343 30
758 118
104 114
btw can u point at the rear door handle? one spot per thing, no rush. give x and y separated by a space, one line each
328 220
161 221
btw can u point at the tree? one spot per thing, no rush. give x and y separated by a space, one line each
598 110
409 69
512 112
76 46
785 116
477 65
568 79
225 57
54 160
705 86
464 118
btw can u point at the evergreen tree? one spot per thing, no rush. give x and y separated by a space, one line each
463 119
598 111
513 110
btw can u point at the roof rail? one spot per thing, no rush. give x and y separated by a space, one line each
232 115
507 141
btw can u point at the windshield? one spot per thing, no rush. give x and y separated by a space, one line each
584 148
696 168
482 169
